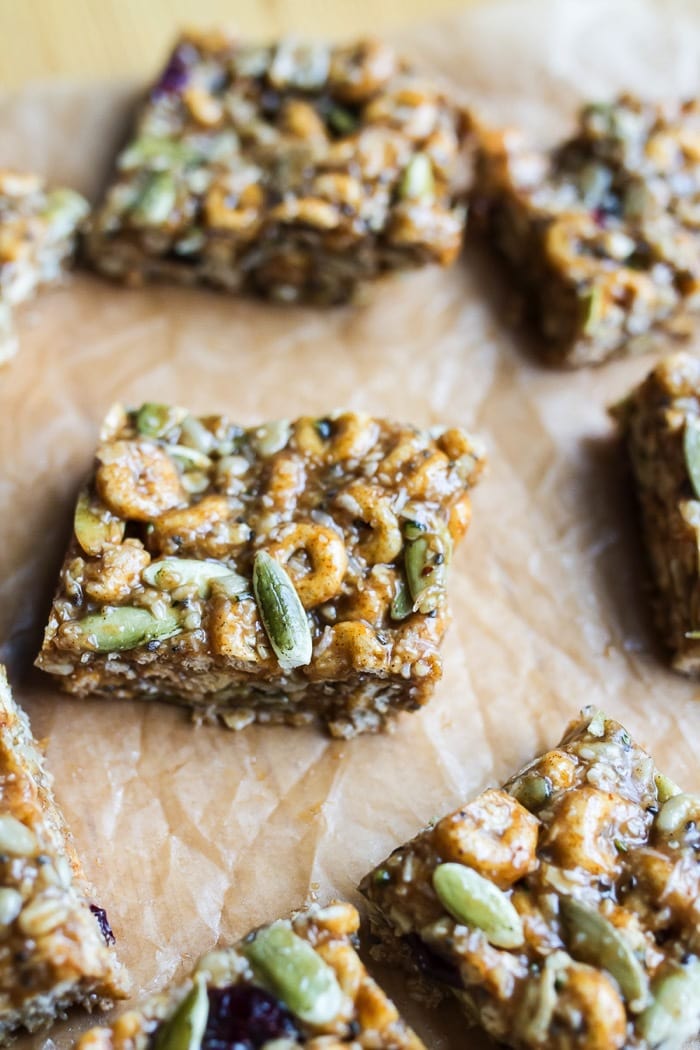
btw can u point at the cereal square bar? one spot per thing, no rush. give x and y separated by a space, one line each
56 945
296 982
562 911
38 230
660 421
602 232
293 171
292 572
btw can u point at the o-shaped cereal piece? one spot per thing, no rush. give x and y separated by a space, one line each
325 551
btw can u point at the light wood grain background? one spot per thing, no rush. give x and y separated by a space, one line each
75 38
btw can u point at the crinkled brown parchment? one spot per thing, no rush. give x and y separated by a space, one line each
194 835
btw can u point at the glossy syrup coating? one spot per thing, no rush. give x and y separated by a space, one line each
293 572
562 910
294 171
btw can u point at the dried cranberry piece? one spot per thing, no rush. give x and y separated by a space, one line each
177 72
242 1017
103 922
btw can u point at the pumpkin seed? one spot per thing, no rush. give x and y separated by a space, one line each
294 972
271 437
593 939
674 1010
533 792
427 560
93 532
473 900
189 458
64 209
591 306
156 200
156 153
196 436
154 420
341 120
281 612
417 182
401 605
665 787
691 452
122 627
596 726
185 1029
170 573
676 812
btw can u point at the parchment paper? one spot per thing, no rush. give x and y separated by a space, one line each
194 835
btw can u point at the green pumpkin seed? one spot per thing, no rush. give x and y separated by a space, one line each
154 420
170 573
185 1029
64 210
475 901
196 436
292 970
93 532
676 812
281 612
271 437
665 787
691 451
674 1011
401 605
591 307
122 627
189 458
427 559
594 940
156 153
596 726
417 182
533 792
156 200
341 120
594 182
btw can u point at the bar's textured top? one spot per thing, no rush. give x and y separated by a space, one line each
292 171
297 982
290 572
564 910
602 232
55 943
38 228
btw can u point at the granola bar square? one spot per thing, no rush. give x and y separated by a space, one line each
660 423
38 231
296 982
56 944
294 171
292 572
601 233
563 910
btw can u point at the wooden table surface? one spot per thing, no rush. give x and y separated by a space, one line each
103 38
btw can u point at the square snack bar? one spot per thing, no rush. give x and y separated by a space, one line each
38 229
293 171
55 946
660 421
296 982
293 572
562 911
603 232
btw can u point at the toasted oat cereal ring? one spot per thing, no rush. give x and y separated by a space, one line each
314 557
